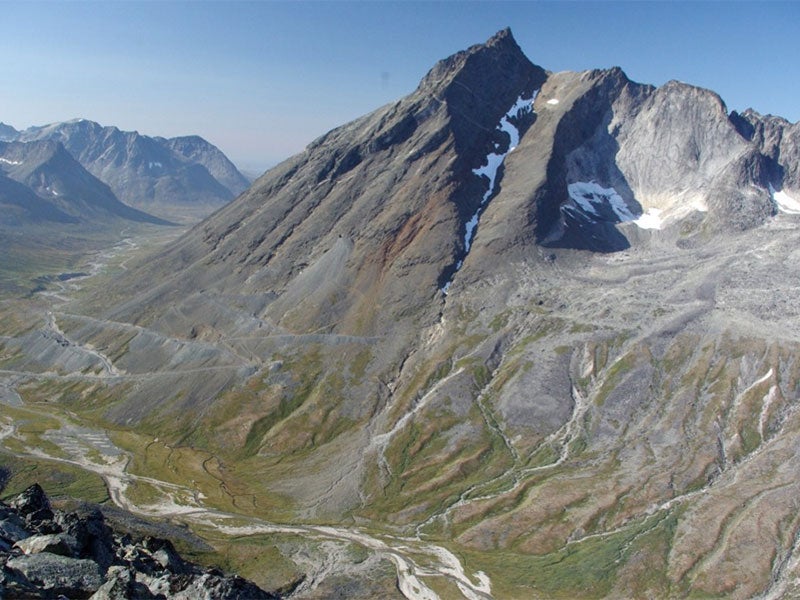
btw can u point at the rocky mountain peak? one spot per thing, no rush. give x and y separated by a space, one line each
777 140
484 66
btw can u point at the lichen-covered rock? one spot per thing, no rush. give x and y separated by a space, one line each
119 585
12 527
211 585
164 553
55 574
33 504
93 536
54 543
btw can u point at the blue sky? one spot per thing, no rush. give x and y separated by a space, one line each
262 79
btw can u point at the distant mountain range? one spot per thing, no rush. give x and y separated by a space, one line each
154 174
41 182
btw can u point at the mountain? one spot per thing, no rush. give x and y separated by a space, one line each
52 186
7 133
535 333
386 252
20 205
195 149
154 174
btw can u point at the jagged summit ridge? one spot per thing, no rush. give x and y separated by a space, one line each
479 84
502 44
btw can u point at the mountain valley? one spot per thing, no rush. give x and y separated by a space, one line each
61 185
519 334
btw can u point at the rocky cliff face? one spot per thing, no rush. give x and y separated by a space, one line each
149 173
620 150
778 141
548 319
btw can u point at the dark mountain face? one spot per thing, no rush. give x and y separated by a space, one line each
778 141
149 173
49 172
548 318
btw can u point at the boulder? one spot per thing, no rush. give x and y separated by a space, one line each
165 555
12 527
54 574
94 537
55 543
34 505
119 585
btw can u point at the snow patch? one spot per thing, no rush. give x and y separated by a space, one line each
495 159
651 219
10 162
767 402
154 165
784 202
589 196
553 101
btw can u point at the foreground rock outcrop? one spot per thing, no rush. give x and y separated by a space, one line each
49 553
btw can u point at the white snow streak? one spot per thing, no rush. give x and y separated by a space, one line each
489 170
10 162
771 396
553 101
784 201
